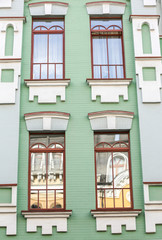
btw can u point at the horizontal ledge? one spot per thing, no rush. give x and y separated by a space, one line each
152 183
8 185
109 81
46 113
23 18
142 16
149 58
10 60
101 2
47 214
47 82
116 213
110 112
48 2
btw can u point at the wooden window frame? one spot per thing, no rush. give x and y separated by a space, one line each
97 33
130 175
47 150
48 32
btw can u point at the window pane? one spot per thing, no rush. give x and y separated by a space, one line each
51 71
43 71
115 50
99 50
55 169
59 71
47 139
40 48
55 48
36 71
48 23
111 138
106 22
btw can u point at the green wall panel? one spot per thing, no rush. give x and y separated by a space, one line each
5 195
9 41
7 75
155 193
146 39
149 74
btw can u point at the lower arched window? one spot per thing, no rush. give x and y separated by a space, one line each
46 164
113 171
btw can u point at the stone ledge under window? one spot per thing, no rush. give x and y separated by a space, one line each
105 7
109 89
116 219
47 90
47 220
48 8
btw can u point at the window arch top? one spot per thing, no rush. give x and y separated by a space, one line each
46 25
106 24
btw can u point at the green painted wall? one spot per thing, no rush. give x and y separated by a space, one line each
7 75
155 193
5 195
146 39
9 41
80 173
149 74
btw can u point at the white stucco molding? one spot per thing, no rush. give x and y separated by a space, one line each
6 4
109 89
105 7
150 89
111 120
47 90
17 24
8 89
149 3
8 212
115 219
153 23
47 220
153 210
47 121
48 8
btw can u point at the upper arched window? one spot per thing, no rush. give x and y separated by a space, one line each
146 39
9 41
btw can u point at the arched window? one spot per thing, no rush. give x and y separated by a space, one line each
46 171
146 39
9 41
113 175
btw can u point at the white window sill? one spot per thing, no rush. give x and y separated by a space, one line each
115 219
109 89
47 90
46 220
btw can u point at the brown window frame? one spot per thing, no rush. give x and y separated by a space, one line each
46 151
48 32
107 33
96 150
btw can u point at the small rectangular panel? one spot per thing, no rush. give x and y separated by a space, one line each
149 74
5 195
155 193
7 75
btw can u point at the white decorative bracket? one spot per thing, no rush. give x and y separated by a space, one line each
8 213
115 219
109 89
47 90
48 8
46 220
105 7
153 210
